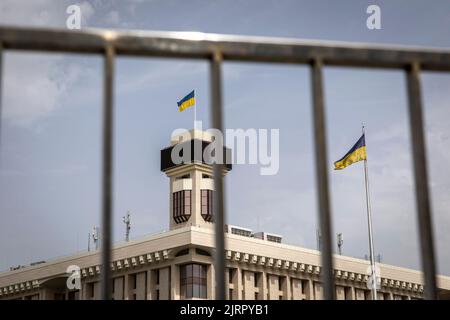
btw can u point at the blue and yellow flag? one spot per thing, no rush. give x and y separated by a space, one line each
356 153
186 102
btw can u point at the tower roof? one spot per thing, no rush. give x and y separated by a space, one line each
190 135
196 142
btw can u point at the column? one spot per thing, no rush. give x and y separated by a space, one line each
210 283
150 284
175 285
309 290
164 283
288 288
126 287
83 290
140 285
263 287
118 288
227 284
350 293
238 284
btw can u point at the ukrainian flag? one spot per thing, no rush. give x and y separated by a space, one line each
356 153
186 102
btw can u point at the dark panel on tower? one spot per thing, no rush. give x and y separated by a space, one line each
197 148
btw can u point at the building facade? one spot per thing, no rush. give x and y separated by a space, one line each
178 264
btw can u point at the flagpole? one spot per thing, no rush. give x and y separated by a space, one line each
369 222
195 114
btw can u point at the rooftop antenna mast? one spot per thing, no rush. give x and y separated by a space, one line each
319 239
127 221
95 236
89 241
340 242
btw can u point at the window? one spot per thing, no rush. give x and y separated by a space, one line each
202 252
91 290
304 284
113 286
230 275
273 238
73 295
207 204
193 281
60 296
230 294
256 279
133 281
181 205
241 232
182 252
280 283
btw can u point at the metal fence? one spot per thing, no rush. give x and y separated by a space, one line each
217 49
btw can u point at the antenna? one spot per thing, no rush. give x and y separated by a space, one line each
319 239
127 221
89 241
95 236
379 257
340 242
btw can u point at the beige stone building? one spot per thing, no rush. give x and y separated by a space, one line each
178 264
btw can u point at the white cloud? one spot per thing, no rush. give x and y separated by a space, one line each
87 11
35 84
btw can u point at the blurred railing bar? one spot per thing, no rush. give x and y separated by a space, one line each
107 170
424 218
218 168
324 215
236 48
1 88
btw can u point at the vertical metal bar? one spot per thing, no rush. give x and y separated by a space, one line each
107 174
322 178
219 206
1 87
421 181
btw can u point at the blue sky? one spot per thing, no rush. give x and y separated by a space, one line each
50 142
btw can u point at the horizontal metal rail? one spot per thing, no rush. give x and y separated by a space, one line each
238 48
218 48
